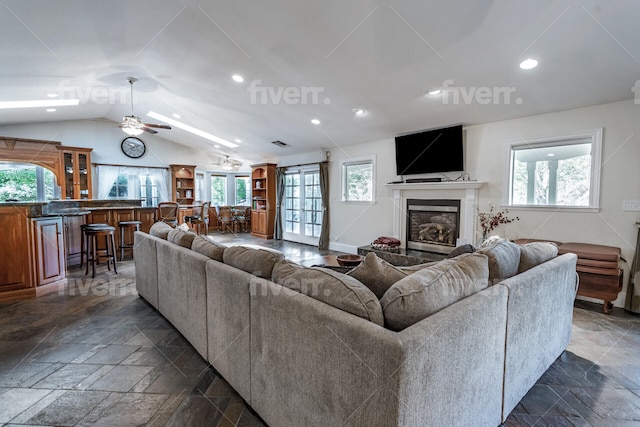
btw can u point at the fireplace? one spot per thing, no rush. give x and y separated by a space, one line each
433 224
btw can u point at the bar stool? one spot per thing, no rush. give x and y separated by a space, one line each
84 241
94 255
125 225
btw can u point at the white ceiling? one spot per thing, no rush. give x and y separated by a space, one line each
372 54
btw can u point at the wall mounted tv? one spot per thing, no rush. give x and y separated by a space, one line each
432 151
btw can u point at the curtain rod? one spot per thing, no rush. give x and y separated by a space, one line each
306 164
129 166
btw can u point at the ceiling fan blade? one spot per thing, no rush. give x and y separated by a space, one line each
150 125
149 130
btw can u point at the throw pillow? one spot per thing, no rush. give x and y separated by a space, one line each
256 261
182 238
532 254
410 269
208 247
462 249
434 288
377 274
504 258
335 289
160 229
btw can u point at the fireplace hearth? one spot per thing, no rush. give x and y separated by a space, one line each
433 224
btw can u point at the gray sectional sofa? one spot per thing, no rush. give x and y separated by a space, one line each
302 356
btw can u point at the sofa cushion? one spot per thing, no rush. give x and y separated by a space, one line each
160 229
208 247
429 290
335 289
377 274
257 261
532 254
180 237
504 258
410 269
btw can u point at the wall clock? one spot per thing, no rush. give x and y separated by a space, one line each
133 147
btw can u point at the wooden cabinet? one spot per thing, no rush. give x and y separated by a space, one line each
15 250
183 183
263 200
73 238
75 173
48 243
147 216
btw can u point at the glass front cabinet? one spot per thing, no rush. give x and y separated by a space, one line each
76 172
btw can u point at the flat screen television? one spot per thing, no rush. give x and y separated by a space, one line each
432 151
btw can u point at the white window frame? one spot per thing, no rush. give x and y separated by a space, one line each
594 136
358 161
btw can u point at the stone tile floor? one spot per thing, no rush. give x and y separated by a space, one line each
96 354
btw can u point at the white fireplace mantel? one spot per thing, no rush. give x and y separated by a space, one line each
465 191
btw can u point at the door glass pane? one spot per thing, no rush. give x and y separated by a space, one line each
84 175
68 175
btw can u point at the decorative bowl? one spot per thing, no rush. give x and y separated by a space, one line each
349 260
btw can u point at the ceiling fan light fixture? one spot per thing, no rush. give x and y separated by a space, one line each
226 164
132 131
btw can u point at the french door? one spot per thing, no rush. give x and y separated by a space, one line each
302 207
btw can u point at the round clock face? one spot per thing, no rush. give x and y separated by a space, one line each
133 147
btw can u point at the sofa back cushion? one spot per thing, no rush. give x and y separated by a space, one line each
431 289
504 258
257 261
160 229
181 237
532 254
332 288
377 274
208 247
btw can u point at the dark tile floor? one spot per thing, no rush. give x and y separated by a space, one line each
98 355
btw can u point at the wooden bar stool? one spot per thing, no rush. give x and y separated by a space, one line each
84 241
125 225
94 255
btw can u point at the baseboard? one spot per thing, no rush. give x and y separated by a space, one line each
342 247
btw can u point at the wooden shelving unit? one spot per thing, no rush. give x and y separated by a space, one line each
75 173
263 200
183 183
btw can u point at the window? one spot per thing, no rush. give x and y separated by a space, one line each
357 181
218 190
26 182
243 191
135 187
199 193
559 171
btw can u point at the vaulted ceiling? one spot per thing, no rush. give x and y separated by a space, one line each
302 60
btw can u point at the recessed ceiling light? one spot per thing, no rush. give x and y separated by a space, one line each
359 111
39 103
315 121
176 115
238 140
528 64
191 129
434 91
52 95
550 155
216 146
237 78
50 110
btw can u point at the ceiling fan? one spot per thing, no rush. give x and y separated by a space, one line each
227 164
133 125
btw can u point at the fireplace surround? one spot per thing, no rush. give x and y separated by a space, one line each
464 191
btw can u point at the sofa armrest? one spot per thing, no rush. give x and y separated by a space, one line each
539 315
453 364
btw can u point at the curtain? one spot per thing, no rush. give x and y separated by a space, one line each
323 242
278 228
108 174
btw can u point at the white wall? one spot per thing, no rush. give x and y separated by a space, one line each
486 160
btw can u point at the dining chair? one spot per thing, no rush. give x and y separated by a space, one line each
168 212
200 217
226 219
